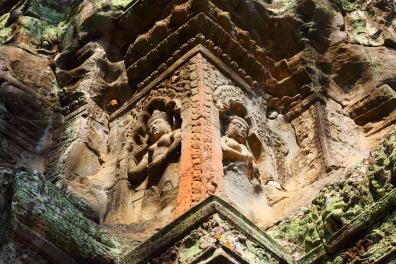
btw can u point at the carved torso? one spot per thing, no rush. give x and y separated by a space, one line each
234 151
159 148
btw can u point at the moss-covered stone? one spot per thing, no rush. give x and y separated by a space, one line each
5 31
58 217
334 206
377 245
354 202
6 228
351 5
280 7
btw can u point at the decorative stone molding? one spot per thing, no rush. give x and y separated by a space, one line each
212 227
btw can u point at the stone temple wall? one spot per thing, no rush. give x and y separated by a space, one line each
197 131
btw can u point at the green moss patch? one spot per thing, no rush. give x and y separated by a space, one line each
59 217
350 201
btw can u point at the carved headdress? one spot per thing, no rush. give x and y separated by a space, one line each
157 114
242 120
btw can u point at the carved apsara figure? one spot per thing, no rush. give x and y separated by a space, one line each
163 146
242 184
156 175
235 150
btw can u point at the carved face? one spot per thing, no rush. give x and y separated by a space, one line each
158 127
238 130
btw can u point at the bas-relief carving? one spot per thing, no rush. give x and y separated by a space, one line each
242 184
253 162
309 162
128 202
326 139
229 98
152 154
321 132
270 149
151 162
292 155
155 177
235 150
162 141
257 161
259 165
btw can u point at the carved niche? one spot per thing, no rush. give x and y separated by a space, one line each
154 166
149 159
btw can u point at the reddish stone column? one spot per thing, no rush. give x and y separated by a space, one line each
201 169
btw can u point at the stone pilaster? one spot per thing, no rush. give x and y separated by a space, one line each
201 169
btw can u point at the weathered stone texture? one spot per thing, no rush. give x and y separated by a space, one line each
128 115
362 203
59 226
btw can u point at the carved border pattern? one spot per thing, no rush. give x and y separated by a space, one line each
200 25
200 178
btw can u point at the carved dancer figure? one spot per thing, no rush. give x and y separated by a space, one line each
234 147
163 143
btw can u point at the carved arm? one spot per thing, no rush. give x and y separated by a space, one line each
231 153
139 173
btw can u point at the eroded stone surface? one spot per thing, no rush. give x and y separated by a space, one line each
360 201
309 84
59 227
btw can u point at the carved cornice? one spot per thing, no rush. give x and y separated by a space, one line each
182 25
176 12
199 29
168 33
250 87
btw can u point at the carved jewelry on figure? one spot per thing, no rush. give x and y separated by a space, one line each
163 146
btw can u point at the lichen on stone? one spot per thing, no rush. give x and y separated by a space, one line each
5 31
44 208
338 204
363 29
281 7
